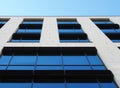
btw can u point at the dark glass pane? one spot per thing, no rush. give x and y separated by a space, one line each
23 60
48 85
4 60
77 68
82 85
49 68
75 60
49 60
94 60
15 85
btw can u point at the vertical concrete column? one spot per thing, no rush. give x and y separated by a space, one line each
8 29
108 52
49 35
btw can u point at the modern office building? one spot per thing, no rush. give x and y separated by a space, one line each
59 52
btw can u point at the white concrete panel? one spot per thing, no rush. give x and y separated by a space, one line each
49 32
117 44
39 45
115 20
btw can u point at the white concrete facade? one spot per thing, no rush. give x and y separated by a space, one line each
106 49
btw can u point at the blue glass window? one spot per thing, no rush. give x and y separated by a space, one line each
29 31
110 29
70 22
78 31
75 60
113 30
25 41
4 60
77 40
49 85
15 40
82 85
20 68
108 85
72 27
3 67
84 40
77 68
3 22
67 21
49 68
117 30
21 31
98 68
49 60
70 31
69 41
110 32
64 61
81 62
102 22
32 22
115 40
23 60
15 85
94 60
32 41
33 31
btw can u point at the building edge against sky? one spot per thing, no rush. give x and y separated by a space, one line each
107 50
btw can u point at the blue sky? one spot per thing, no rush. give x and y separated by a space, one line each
59 7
